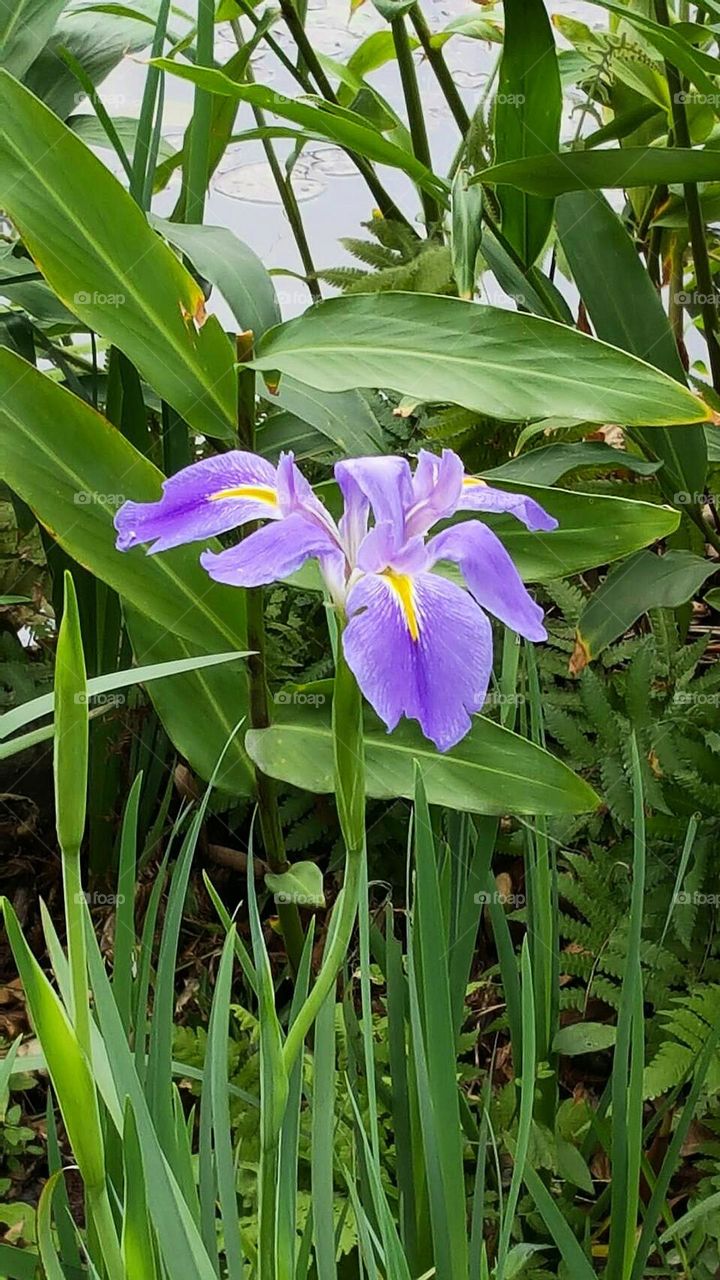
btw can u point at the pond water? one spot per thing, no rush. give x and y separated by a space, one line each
333 198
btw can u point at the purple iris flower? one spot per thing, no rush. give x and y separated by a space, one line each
418 644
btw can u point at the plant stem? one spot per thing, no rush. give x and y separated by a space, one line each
77 949
385 202
416 119
701 261
350 798
270 825
104 1224
443 74
284 187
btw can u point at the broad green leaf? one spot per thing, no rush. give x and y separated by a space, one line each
592 529
302 884
493 361
551 462
528 107
625 309
625 167
17 1263
491 771
318 118
232 267
25 26
99 41
93 245
584 1037
343 417
643 582
71 727
74 469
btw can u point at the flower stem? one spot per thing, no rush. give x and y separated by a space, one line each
350 798
701 261
268 812
416 119
442 72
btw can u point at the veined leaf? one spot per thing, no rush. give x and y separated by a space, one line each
500 363
94 247
491 771
643 582
74 469
623 167
318 118
25 26
626 310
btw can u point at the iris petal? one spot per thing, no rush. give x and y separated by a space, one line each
479 496
490 575
271 553
437 489
201 501
420 648
384 483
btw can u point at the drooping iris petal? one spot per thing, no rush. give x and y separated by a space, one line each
385 483
270 553
201 501
295 494
419 646
437 488
478 496
491 576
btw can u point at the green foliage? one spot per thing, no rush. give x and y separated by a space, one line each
397 260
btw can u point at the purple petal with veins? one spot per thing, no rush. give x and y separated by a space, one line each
271 553
203 500
490 575
479 496
419 647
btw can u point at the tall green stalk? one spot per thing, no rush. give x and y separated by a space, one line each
270 826
350 798
415 114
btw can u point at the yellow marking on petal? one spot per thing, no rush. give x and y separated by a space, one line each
471 481
256 492
402 585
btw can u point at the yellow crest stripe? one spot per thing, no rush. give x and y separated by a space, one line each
404 588
256 492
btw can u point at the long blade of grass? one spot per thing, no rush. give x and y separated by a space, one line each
322 1140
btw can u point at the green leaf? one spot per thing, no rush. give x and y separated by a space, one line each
93 245
551 462
624 167
230 265
626 310
466 208
697 65
318 118
73 469
343 417
71 727
584 1037
643 582
493 361
528 107
50 1260
592 530
302 884
25 26
491 771
68 1067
